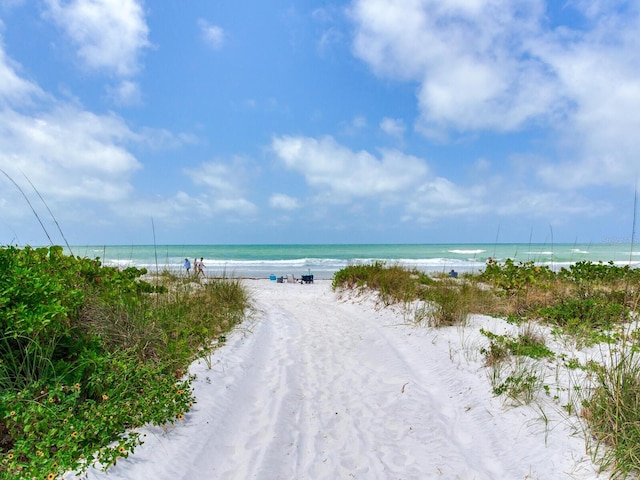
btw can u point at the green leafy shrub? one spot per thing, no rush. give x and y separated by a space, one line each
527 344
88 353
515 278
589 320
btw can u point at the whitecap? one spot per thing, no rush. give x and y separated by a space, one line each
466 252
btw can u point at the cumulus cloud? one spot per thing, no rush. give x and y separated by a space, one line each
440 198
501 66
13 88
470 58
329 166
108 34
353 126
341 175
602 74
213 35
550 205
392 127
69 154
126 93
182 208
281 201
224 183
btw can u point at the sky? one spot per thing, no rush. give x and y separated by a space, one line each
364 121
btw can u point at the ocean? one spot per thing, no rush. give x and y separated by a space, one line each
322 261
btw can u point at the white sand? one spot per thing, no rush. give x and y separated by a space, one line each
317 387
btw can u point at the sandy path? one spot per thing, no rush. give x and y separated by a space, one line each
318 388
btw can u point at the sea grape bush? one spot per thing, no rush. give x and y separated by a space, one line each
513 278
584 298
590 272
71 395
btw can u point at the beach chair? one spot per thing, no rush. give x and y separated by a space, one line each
307 278
291 278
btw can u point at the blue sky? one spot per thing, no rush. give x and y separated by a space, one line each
363 121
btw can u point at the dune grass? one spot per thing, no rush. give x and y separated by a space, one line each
449 300
88 353
587 304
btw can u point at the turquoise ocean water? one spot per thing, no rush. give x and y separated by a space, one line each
261 261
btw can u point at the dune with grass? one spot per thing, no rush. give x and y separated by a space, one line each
324 383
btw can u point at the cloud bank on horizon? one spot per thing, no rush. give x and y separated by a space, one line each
334 122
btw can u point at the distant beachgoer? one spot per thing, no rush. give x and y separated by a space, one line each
187 265
453 273
201 266
196 267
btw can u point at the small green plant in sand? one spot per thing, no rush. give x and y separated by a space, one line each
529 343
88 353
514 377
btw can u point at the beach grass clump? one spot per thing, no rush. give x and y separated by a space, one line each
88 353
393 283
453 300
612 413
449 300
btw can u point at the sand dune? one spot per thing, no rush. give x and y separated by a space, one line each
321 387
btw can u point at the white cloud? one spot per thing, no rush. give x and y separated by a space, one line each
549 205
225 185
109 34
328 39
468 57
440 198
69 154
213 35
392 127
13 88
126 93
359 122
184 209
337 170
354 126
496 65
601 74
283 202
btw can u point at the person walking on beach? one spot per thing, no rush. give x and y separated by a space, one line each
187 265
201 266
